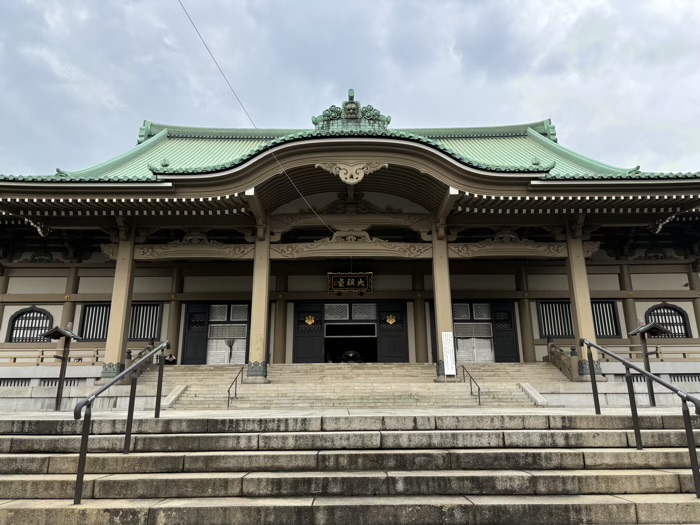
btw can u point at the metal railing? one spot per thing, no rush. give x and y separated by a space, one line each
87 405
234 385
684 397
472 382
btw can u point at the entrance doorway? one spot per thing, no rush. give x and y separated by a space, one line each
377 331
366 348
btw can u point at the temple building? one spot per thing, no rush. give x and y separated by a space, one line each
350 238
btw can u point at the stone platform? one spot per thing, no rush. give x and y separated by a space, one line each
445 466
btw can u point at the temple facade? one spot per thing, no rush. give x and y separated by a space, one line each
350 239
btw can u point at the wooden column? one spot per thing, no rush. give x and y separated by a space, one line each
118 331
68 311
628 308
175 311
420 328
581 310
257 356
694 282
525 316
280 347
4 280
442 293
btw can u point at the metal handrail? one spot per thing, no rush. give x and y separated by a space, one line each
86 403
235 390
471 380
684 396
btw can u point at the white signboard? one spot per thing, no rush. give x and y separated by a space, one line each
448 353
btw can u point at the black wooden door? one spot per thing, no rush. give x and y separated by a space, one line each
196 322
505 342
392 343
308 333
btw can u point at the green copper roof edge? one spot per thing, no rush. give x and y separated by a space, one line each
486 131
76 180
314 134
577 158
631 177
120 159
150 129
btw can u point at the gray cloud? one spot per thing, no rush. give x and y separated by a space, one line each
619 78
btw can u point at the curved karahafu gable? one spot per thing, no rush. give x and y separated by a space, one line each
510 162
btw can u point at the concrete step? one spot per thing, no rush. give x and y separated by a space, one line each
481 468
267 423
348 483
384 510
343 460
386 439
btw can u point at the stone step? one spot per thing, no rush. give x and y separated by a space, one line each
348 483
387 439
246 423
436 459
384 510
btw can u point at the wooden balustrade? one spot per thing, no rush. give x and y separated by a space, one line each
658 353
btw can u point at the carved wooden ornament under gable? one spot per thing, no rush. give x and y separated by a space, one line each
351 243
193 246
507 244
351 173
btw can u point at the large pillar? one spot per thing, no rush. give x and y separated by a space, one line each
68 312
118 331
420 328
280 348
4 280
628 308
257 356
175 311
581 310
694 281
525 316
442 294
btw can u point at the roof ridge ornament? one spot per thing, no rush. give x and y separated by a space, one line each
351 116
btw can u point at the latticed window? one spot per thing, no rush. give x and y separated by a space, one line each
28 325
671 317
555 319
144 323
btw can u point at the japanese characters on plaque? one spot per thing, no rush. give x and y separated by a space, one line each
358 282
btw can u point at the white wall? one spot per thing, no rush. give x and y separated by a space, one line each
36 285
152 284
392 283
307 283
547 282
218 283
603 281
660 281
89 284
482 282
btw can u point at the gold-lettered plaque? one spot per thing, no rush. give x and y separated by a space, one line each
358 282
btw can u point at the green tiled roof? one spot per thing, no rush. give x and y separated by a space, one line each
163 149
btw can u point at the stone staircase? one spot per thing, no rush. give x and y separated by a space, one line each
332 470
370 386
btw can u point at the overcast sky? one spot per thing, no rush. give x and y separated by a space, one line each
619 78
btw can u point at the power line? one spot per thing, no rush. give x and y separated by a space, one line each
240 102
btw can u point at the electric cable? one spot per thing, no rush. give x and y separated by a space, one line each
240 102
